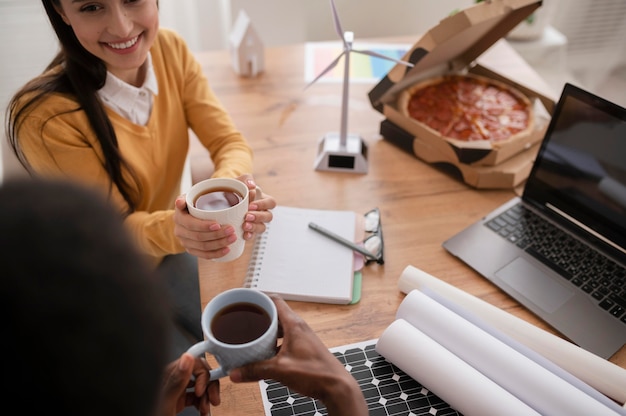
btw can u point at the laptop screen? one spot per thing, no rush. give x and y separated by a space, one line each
581 166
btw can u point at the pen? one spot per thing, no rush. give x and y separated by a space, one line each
339 239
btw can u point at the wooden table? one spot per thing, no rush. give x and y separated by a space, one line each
420 206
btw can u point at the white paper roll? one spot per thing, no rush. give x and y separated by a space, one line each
533 384
528 352
452 379
599 373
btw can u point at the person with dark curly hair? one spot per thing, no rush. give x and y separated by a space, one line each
87 328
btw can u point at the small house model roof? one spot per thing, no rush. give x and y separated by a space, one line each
241 28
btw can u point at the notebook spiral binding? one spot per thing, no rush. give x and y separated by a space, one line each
256 260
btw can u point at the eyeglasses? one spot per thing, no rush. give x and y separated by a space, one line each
374 242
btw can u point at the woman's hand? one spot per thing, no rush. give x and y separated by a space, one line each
203 238
176 380
259 207
210 240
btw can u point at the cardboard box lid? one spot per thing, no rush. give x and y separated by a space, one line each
506 175
453 44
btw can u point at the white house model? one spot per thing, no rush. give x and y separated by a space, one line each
246 47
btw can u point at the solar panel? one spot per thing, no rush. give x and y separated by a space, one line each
387 389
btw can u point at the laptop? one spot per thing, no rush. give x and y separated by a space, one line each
560 248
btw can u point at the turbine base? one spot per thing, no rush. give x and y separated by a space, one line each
333 157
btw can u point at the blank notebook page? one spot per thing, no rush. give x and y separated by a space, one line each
300 264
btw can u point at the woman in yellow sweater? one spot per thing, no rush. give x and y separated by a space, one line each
113 110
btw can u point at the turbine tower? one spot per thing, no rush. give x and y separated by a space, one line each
343 151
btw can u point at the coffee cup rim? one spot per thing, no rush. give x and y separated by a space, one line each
202 186
273 312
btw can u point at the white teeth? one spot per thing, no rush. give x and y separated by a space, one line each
124 45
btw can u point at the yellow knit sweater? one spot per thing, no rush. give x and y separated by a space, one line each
59 142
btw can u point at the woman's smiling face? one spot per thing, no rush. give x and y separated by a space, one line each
119 32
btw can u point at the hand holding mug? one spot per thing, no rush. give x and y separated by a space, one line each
259 209
176 393
224 201
304 364
240 327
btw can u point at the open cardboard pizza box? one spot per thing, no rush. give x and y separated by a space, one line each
508 174
455 46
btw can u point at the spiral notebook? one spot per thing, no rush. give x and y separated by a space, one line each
299 264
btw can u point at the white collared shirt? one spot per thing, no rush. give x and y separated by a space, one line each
132 103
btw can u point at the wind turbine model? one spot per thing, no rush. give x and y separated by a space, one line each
344 152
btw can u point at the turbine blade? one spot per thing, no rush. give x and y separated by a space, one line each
338 28
378 55
325 71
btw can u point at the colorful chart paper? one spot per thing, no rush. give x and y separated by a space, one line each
363 68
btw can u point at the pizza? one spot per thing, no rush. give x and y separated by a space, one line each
469 108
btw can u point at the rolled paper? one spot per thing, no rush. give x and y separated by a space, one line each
601 374
459 384
528 352
539 388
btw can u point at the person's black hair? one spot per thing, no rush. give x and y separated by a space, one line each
80 74
87 324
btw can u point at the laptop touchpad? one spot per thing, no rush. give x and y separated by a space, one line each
534 284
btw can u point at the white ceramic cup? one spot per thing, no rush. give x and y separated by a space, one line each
233 355
233 215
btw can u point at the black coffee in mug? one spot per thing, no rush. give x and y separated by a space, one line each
217 198
240 323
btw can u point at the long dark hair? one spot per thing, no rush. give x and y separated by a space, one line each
81 76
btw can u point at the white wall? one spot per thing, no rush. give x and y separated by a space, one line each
280 22
27 44
205 24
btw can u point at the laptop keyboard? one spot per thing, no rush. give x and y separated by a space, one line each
590 271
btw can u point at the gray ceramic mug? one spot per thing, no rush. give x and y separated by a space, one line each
240 327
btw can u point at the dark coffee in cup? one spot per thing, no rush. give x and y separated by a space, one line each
240 323
218 198
240 327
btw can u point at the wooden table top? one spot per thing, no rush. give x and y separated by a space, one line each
420 205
